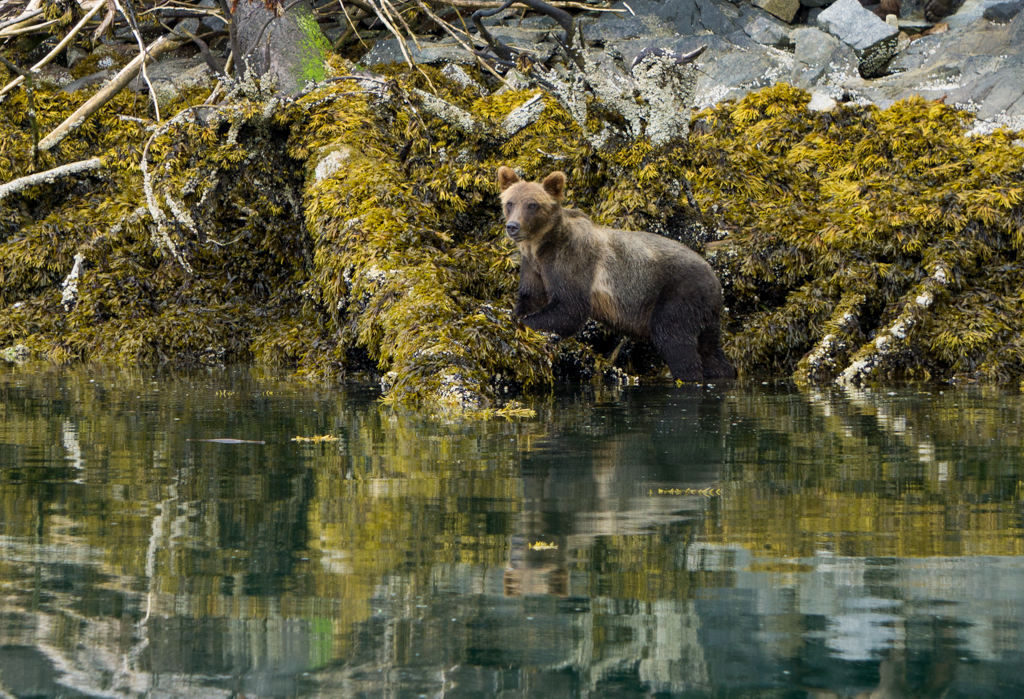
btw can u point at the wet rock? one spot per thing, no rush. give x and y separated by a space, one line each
1004 12
872 39
783 9
88 81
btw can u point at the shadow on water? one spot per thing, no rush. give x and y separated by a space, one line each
706 541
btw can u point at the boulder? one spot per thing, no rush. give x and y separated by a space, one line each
766 30
970 12
979 68
170 78
88 81
689 17
872 39
614 27
783 9
822 60
1003 12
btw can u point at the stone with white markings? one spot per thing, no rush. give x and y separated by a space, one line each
872 39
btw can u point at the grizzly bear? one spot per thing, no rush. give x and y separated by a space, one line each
639 284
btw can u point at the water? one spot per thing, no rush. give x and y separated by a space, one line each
738 540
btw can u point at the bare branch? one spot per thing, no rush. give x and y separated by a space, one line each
165 43
49 176
57 49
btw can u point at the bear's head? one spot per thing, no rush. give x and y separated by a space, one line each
531 208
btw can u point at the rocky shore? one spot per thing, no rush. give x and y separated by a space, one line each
972 59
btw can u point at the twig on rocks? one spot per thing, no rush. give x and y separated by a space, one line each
49 176
108 20
126 10
56 51
454 33
162 45
233 38
20 18
18 31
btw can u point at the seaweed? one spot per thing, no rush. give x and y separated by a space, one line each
354 233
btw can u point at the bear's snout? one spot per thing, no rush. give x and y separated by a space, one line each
512 229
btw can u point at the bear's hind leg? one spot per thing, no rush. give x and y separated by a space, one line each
677 349
713 360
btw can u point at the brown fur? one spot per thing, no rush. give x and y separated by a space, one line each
637 283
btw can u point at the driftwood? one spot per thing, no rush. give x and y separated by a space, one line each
49 176
118 82
56 50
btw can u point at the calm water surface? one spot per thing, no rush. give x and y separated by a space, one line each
737 540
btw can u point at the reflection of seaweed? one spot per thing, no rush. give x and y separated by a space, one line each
862 473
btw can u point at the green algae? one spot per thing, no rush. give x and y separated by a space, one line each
350 234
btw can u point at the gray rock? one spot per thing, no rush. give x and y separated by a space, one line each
388 51
611 28
688 17
741 40
214 24
822 60
996 93
977 67
88 81
74 54
170 78
768 32
732 74
872 39
970 12
783 9
1004 12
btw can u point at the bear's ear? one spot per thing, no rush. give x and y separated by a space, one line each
506 177
554 184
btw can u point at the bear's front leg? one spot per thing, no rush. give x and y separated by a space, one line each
557 317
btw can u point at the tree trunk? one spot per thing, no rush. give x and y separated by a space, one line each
285 43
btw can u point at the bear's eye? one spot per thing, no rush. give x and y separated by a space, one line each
532 205
508 206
